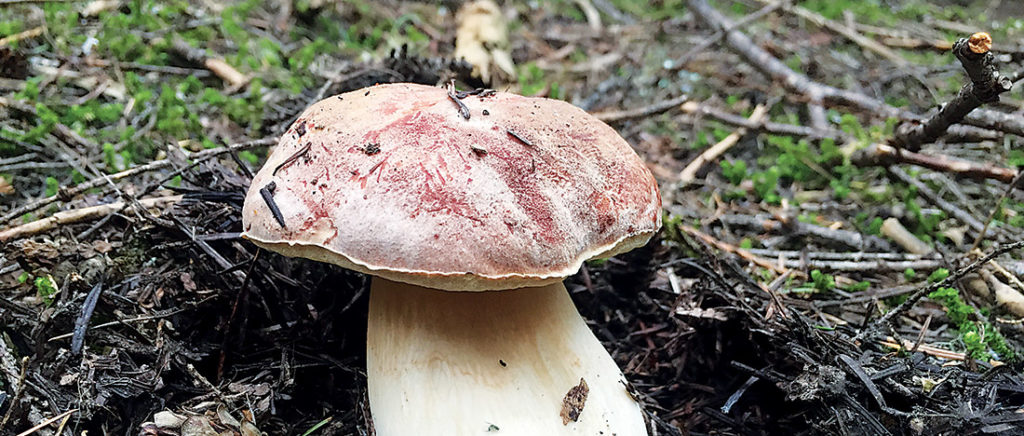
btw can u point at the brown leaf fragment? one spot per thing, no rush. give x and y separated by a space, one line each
572 404
5 187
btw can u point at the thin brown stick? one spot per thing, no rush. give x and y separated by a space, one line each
218 66
196 158
801 84
949 281
640 112
995 208
30 33
78 215
984 87
47 422
885 155
717 36
793 227
689 173
925 191
909 43
845 31
727 247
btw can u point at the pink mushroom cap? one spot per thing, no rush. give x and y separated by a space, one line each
393 181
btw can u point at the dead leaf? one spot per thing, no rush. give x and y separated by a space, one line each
197 426
101 246
572 404
6 188
186 280
168 419
481 38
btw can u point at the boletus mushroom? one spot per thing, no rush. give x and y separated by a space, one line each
489 193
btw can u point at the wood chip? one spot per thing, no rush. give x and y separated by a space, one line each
572 404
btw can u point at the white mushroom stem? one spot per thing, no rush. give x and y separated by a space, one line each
485 363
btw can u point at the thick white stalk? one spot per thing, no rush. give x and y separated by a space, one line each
488 363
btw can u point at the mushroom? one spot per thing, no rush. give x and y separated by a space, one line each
395 182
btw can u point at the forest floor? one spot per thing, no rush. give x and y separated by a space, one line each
810 278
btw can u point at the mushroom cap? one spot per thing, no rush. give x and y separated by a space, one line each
393 181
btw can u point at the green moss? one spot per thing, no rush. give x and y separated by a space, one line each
46 288
979 337
822 281
938 275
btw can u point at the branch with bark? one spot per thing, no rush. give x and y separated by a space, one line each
986 84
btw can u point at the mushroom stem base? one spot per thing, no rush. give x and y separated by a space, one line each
486 363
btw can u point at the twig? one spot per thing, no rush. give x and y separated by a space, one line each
463 110
217 65
776 69
593 16
793 227
702 109
717 36
934 198
196 158
267 192
30 33
852 256
895 230
985 86
82 322
863 266
847 32
78 215
949 281
19 390
995 208
295 156
886 155
747 255
640 112
814 91
956 133
690 172
930 350
120 322
519 138
47 422
909 43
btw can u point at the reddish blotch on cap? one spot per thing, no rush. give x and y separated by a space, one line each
394 181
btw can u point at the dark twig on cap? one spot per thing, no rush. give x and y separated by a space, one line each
985 86
371 148
267 192
302 152
453 95
479 151
482 92
520 138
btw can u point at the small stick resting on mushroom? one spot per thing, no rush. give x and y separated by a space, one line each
454 96
459 363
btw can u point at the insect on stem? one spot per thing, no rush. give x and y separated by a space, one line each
302 151
267 192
